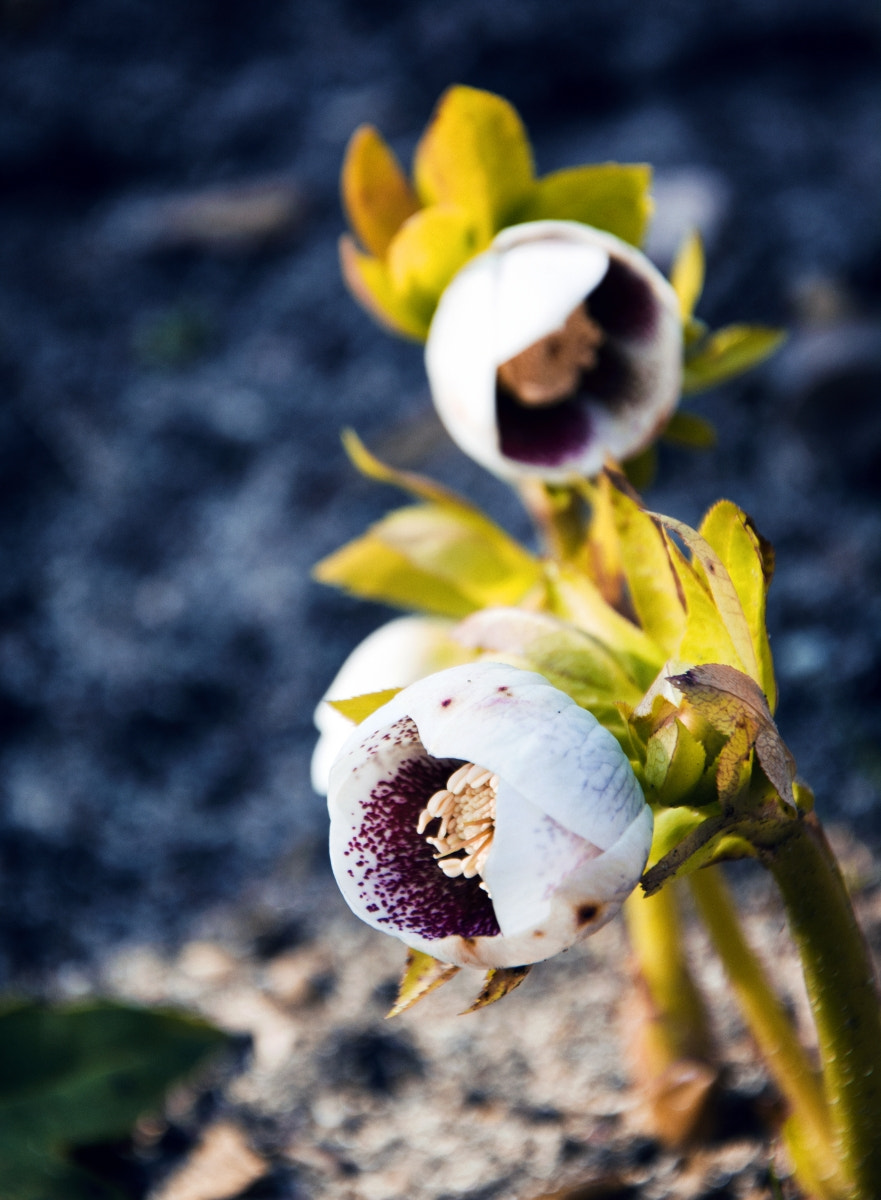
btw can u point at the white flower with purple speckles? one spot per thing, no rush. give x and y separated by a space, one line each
485 819
558 347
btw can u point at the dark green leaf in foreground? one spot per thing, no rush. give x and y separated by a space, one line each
81 1074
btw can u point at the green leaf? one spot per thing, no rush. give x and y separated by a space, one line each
436 558
359 708
732 535
687 276
376 193
422 975
728 352
610 196
79 1074
689 430
475 155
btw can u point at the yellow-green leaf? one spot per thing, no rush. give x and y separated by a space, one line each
359 708
610 196
732 535
408 481
687 276
651 579
475 154
690 430
422 975
426 253
728 352
373 570
436 558
369 282
724 600
376 193
498 983
576 599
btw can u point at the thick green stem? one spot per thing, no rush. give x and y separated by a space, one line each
811 1133
841 984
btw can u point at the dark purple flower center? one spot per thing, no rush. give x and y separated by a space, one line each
395 866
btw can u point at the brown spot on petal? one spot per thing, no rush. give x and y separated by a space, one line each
585 913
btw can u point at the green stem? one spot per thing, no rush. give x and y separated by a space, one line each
681 1027
770 1026
560 516
841 984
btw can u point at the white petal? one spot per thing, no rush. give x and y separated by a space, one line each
538 285
521 289
395 655
531 856
554 753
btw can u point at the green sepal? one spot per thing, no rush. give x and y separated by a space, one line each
498 983
359 708
675 765
726 353
80 1074
422 975
611 196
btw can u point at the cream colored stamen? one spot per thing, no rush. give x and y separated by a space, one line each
549 370
466 809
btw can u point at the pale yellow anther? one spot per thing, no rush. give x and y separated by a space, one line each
466 810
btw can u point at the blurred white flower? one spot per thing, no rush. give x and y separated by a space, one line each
398 653
558 347
485 819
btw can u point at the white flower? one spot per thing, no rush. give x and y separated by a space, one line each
558 347
398 653
485 819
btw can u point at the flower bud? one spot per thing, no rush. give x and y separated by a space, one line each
557 348
485 819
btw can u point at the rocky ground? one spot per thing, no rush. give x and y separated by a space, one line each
177 357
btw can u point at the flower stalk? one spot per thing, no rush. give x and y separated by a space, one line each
843 992
811 1142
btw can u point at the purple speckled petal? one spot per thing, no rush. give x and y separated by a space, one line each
385 869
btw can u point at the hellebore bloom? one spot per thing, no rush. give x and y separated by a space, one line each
483 818
396 654
558 347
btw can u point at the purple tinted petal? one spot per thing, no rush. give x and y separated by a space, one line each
394 867
542 435
623 303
